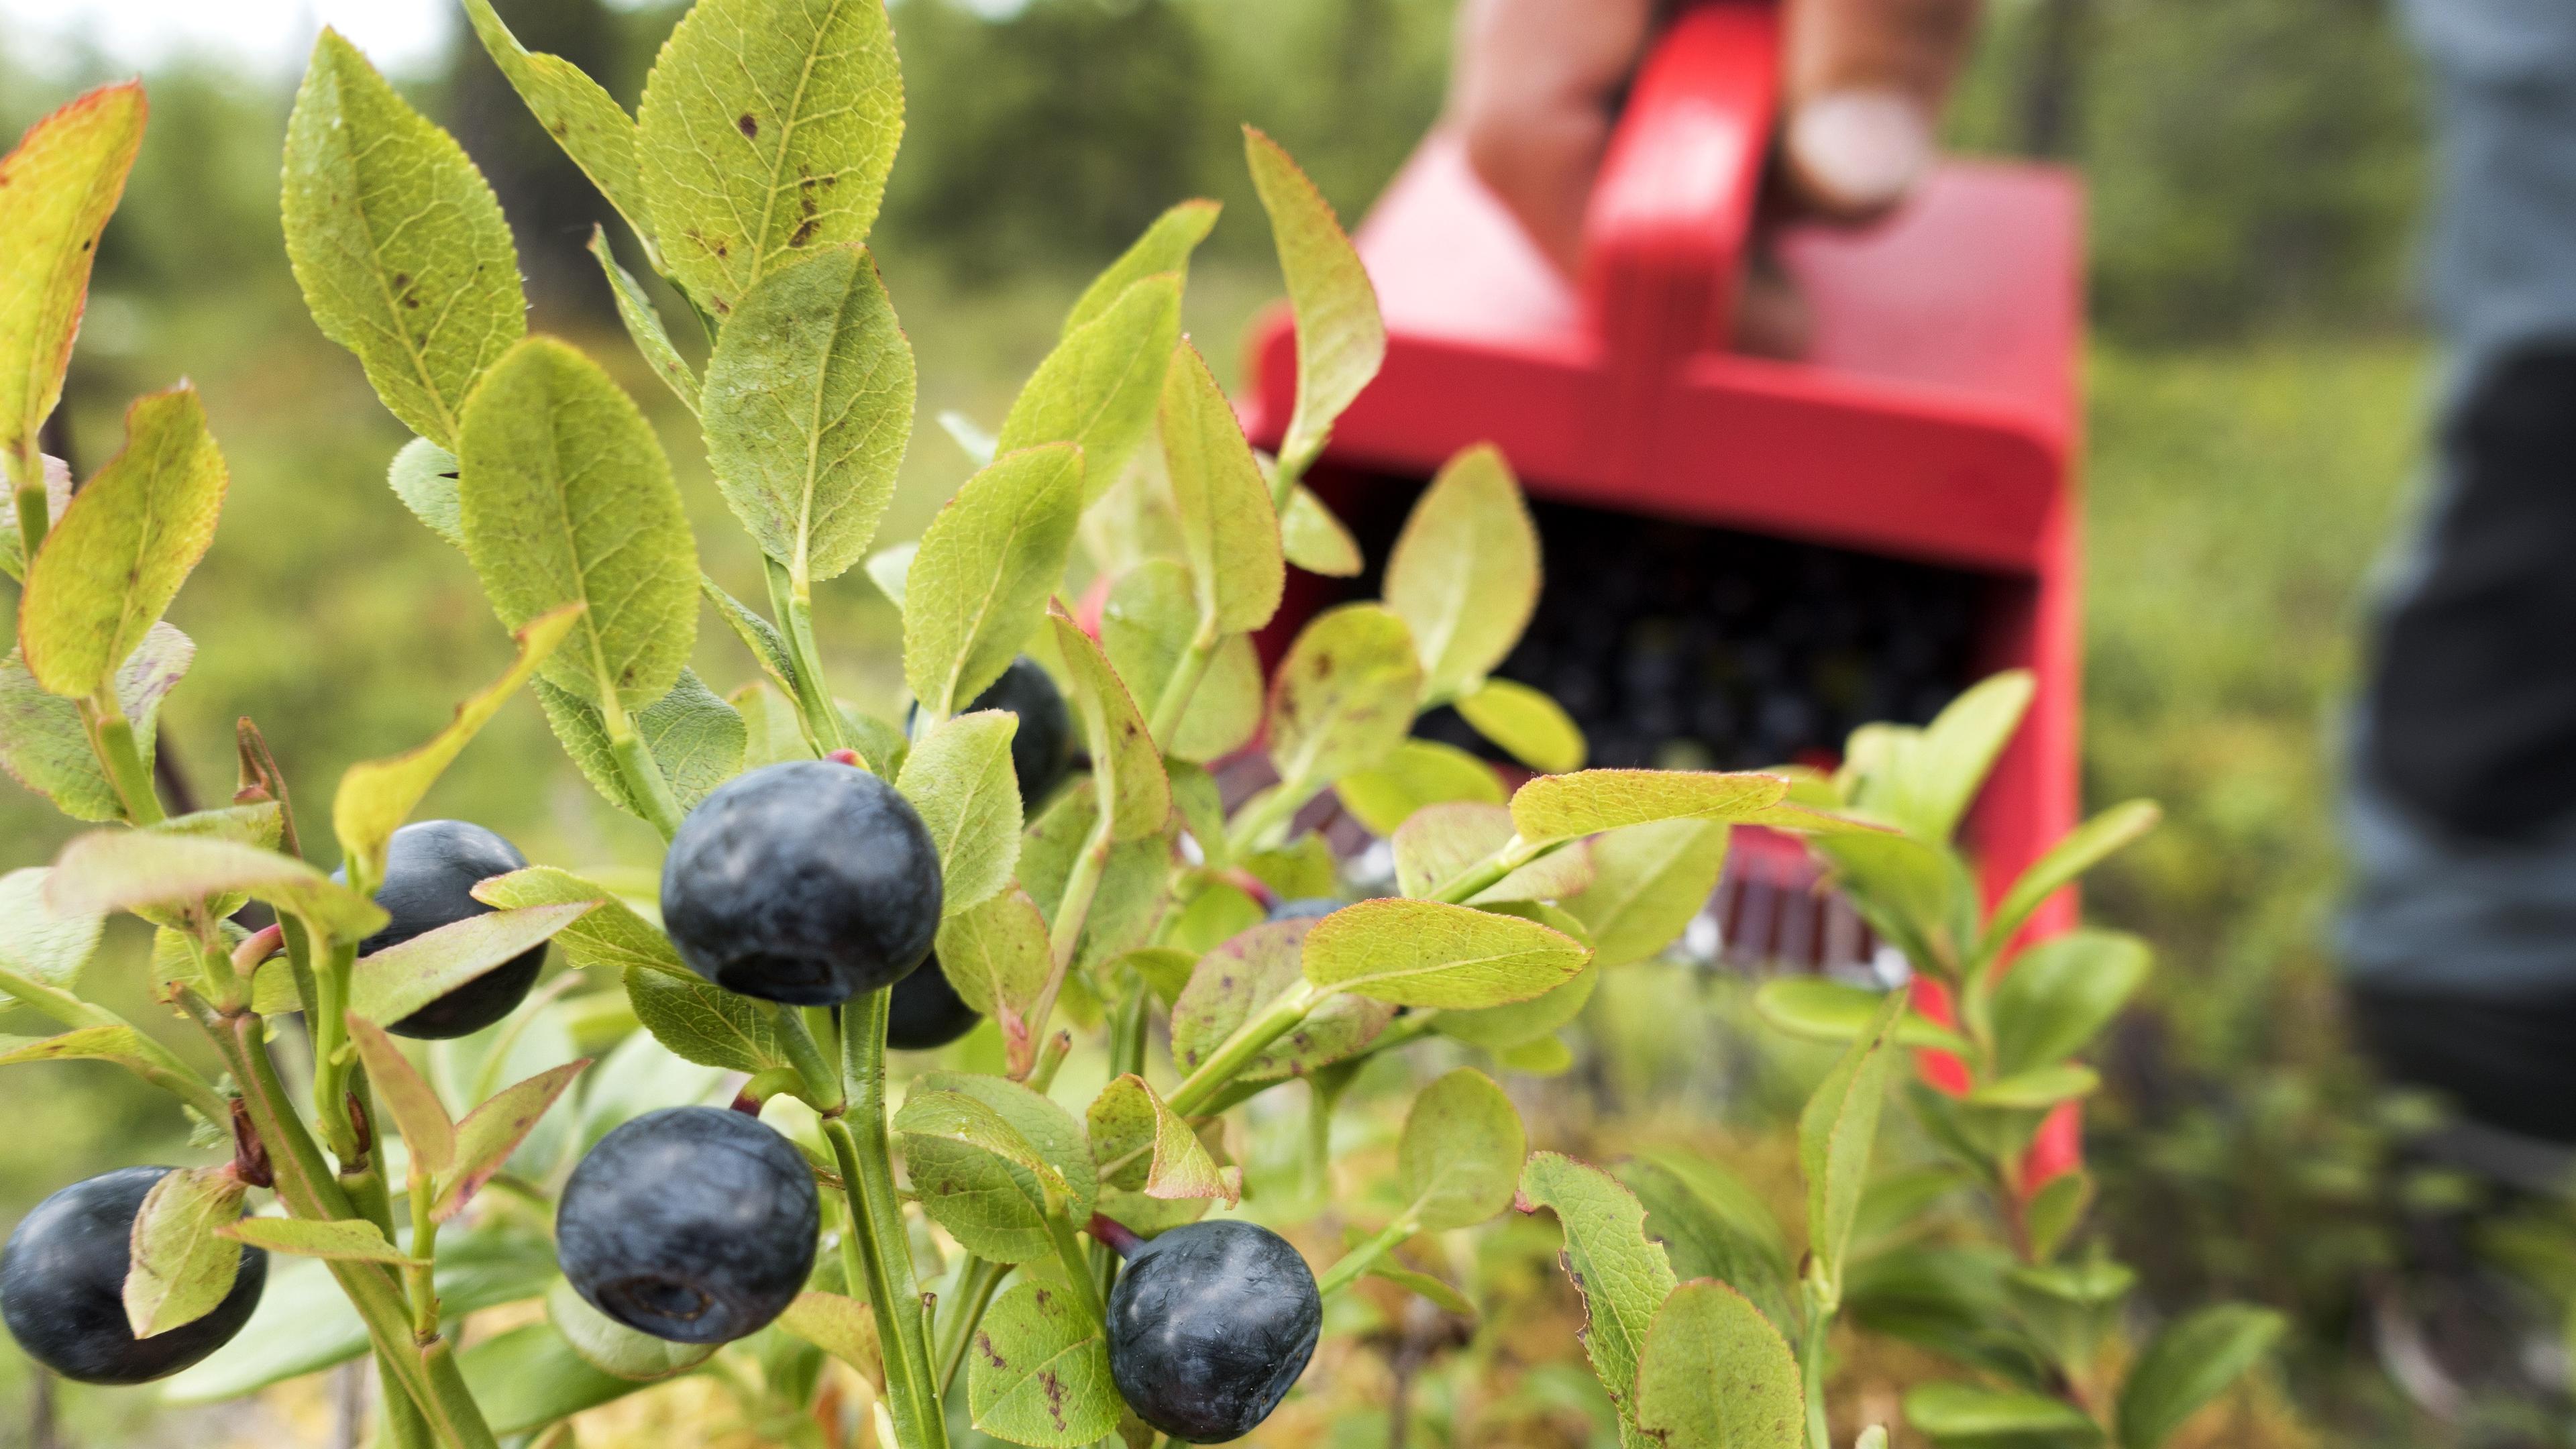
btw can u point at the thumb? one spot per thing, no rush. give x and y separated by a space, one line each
1865 80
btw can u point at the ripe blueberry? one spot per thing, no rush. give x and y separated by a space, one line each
62 1287
1042 748
1306 908
806 882
692 1224
1209 1326
431 869
926 1012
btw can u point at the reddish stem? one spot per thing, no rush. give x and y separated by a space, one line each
250 1155
1114 1235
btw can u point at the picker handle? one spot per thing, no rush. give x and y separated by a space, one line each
1671 216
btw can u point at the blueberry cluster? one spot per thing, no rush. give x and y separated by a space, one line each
1679 646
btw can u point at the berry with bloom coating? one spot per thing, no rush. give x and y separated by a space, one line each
62 1287
1209 1327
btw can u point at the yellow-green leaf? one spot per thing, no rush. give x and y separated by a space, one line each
404 977
995 955
767 130
399 245
1315 540
1465 571
180 1261
1443 841
1419 773
377 796
1099 387
1648 881
1458 1159
494 1130
45 747
1124 763
959 779
1229 534
1527 724
1716 1375
1165 247
1237 980
643 322
1425 953
125 544
839 1325
808 408
135 869
1142 1145
696 739
568 499
1345 696
978 587
344 1240
56 191
1556 807
1039 1374
593 129
1624 1275
423 476
1340 337
428 1133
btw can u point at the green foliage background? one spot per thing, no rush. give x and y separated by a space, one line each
2254 167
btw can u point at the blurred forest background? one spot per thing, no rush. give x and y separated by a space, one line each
2255 167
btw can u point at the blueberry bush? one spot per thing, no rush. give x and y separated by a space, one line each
1041 842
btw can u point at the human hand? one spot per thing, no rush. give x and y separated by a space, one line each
1536 82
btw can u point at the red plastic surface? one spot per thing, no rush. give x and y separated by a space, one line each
1935 417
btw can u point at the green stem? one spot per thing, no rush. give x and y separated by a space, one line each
1068 1251
1272 810
1811 1371
112 736
1184 683
865 1157
976 1280
795 609
1364 1257
1476 879
332 1053
1409 1028
644 779
1275 1021
424 1246
152 1061
1072 911
823 1090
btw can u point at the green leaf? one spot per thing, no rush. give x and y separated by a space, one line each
1822 1010
995 955
127 870
1135 886
1099 387
1126 769
1559 807
2189 1364
1465 571
1442 842
345 1240
1165 247
1648 881
593 129
696 739
1715 1374
890 569
1459 1157
1837 1132
1424 953
768 647
2058 995
44 746
993 1207
494 1130
1623 1276
39 941
58 496
1296 872
2054 1211
2037 1088
1038 1373
1419 773
700 1022
1917 895
1316 541
610 937
955 1117
114 1043
377 796
529 1377
180 1262
1213 912
1960 746
959 779
978 587
1526 724
1148 620
399 245
839 1325
1229 534
808 410
56 191
1969 1412
404 977
1503 1028
1141 1145
1164 970
567 499
423 476
643 323
1442 1296
2085 847
1340 338
1345 695
1713 1226
1234 982
613 1348
428 1134
767 130
123 548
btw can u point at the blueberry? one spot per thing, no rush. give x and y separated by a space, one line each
692 1224
1209 1326
431 869
1042 748
62 1287
1306 908
926 1011
806 882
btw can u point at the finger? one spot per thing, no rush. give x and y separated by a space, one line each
1532 94
1865 80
